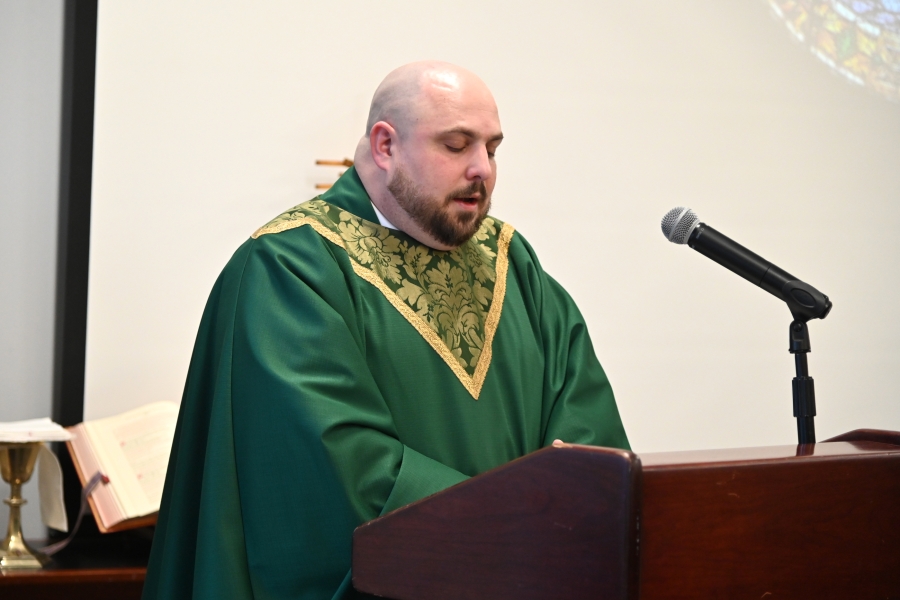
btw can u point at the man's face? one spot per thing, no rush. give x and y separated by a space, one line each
445 171
438 216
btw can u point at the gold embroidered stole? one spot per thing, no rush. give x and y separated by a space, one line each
453 299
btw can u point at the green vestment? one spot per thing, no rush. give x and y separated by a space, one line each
343 370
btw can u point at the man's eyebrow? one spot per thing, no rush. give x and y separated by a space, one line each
470 133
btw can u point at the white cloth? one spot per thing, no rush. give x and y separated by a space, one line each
382 219
33 430
50 490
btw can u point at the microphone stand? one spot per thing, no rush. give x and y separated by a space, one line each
804 392
682 226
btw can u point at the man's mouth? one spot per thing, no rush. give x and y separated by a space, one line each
470 198
468 201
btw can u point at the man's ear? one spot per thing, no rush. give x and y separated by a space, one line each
382 138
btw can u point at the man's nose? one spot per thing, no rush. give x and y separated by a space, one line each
480 168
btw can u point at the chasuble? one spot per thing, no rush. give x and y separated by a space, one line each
342 370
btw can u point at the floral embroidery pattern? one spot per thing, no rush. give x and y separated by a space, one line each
452 298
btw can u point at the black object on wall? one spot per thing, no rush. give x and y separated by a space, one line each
75 170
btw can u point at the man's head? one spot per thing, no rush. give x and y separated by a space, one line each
427 159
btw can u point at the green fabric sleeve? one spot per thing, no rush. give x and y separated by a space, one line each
419 477
584 410
578 402
198 545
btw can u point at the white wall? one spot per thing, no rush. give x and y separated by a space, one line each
209 117
30 106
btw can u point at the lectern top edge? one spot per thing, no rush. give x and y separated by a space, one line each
823 450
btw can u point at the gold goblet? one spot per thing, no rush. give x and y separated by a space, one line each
16 465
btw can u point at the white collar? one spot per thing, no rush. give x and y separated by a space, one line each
381 218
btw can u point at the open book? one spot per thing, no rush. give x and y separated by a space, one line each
132 450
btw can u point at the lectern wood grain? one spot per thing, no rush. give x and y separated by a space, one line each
559 523
769 523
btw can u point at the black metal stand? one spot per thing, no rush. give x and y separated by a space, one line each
804 392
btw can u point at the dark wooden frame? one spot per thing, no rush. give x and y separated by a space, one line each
74 226
76 161
76 150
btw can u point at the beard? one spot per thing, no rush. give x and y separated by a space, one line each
435 215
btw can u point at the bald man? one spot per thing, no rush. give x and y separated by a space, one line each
375 345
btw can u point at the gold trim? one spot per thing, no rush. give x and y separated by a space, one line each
286 225
493 318
472 383
420 325
282 226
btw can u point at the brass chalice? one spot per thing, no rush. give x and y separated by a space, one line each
16 465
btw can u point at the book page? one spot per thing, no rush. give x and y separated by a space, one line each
134 449
108 508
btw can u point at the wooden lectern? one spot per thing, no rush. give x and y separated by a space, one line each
810 521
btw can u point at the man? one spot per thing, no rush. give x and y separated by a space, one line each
366 349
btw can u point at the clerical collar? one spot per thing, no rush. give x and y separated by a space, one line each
382 219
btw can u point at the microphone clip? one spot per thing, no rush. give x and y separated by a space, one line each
804 301
803 386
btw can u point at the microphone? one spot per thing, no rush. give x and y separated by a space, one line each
682 226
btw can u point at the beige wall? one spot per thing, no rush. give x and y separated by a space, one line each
210 115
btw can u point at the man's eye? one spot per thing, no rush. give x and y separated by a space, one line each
453 148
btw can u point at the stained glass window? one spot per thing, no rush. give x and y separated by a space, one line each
860 39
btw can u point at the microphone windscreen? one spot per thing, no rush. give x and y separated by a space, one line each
678 224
